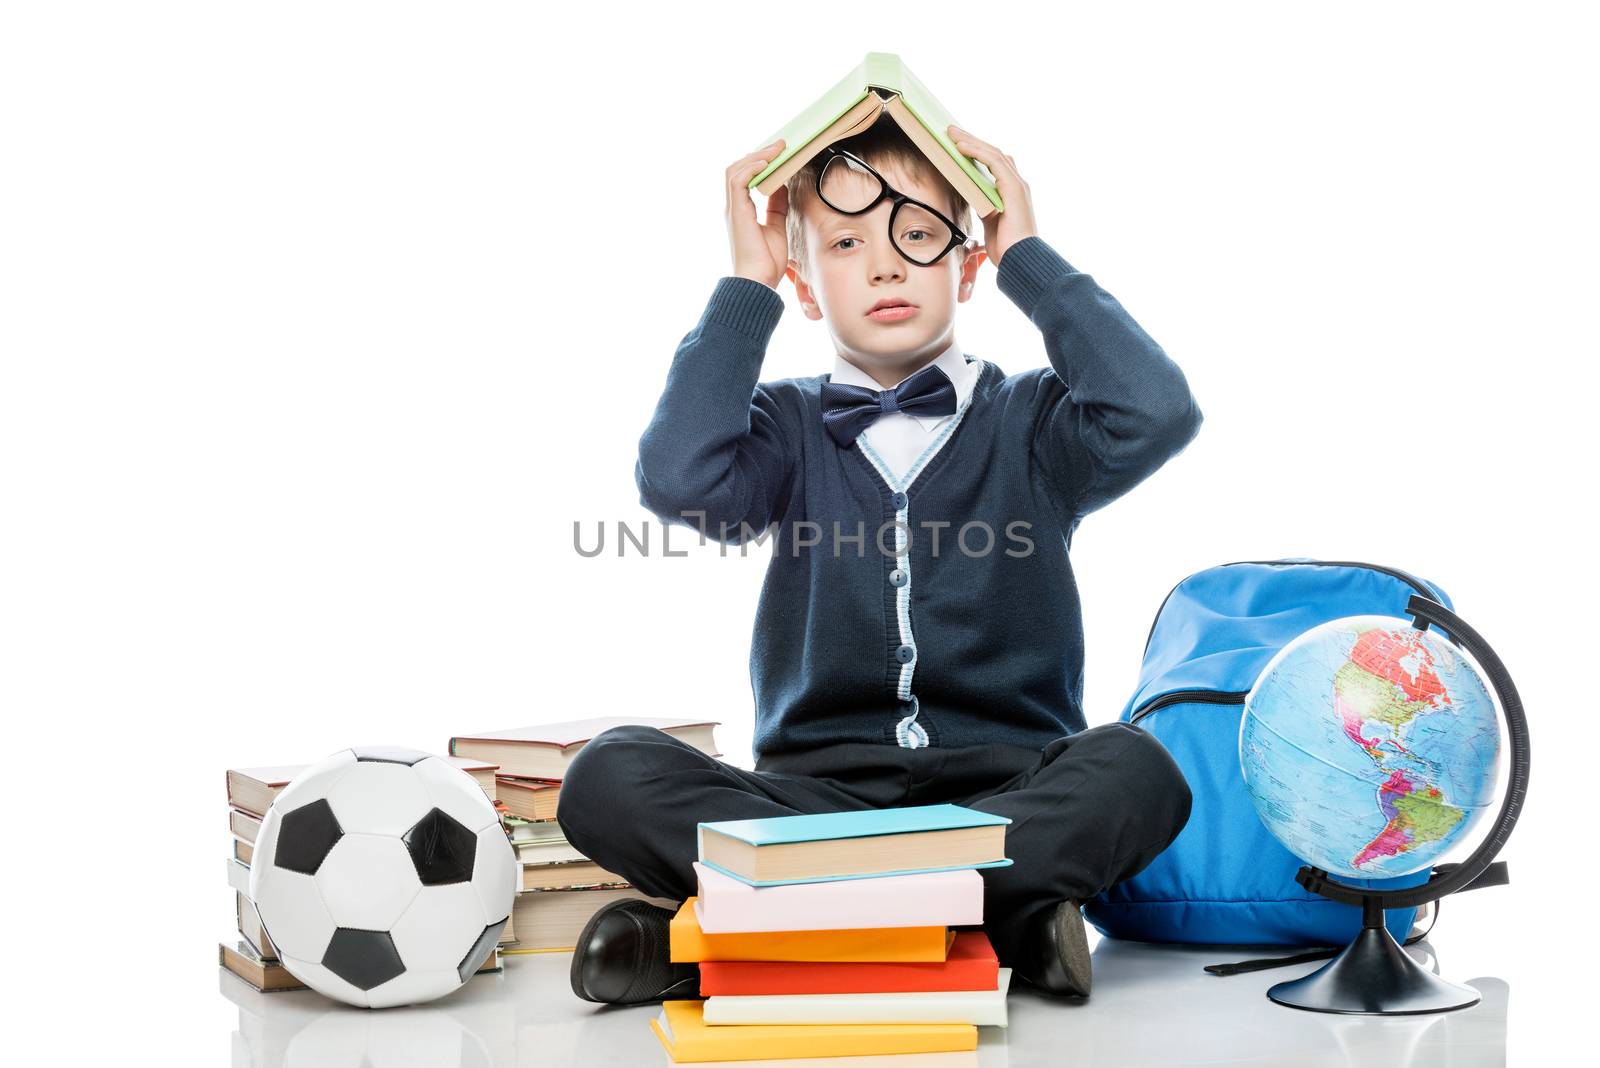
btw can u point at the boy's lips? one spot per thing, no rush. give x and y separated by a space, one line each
893 314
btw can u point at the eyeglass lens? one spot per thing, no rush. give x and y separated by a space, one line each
918 234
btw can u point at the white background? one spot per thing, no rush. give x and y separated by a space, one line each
323 324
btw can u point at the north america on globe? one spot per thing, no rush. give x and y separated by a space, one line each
1369 746
1390 679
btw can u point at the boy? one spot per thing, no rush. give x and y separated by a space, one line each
918 638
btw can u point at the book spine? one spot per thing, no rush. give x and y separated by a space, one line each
853 875
884 902
771 978
981 1009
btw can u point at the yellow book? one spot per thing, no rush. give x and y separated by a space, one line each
689 943
682 1029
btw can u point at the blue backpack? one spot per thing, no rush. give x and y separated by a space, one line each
1225 878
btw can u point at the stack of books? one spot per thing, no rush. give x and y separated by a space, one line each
253 957
835 935
561 888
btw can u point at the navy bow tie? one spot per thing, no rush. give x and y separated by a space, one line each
848 410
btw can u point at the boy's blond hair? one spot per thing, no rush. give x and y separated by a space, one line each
882 145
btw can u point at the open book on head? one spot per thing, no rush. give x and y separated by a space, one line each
881 85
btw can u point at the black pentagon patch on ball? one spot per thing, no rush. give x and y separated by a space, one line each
480 950
362 958
442 850
389 754
305 837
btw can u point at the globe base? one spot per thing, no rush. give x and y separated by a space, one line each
1373 976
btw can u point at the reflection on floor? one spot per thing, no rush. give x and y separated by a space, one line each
1151 1005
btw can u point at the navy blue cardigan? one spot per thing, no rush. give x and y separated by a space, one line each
938 608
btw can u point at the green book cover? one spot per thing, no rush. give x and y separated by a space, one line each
886 71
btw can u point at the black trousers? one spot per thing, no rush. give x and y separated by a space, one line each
1093 808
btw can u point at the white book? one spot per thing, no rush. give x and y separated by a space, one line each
554 851
239 876
982 1008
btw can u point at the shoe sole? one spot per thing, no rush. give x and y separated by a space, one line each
1072 948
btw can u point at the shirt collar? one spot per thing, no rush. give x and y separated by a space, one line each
952 361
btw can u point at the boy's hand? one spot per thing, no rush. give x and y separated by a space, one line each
760 250
1001 229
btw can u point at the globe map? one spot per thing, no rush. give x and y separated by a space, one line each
1369 746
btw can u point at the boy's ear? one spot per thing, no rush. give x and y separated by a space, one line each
808 303
974 258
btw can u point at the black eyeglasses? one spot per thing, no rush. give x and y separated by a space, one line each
919 232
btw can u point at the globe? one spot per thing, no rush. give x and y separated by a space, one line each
1369 746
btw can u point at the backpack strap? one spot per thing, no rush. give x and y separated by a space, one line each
1495 874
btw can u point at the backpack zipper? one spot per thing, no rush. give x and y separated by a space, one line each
1197 697
1393 572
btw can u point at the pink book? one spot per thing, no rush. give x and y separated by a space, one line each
726 905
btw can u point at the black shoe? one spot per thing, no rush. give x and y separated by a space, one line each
1056 954
623 957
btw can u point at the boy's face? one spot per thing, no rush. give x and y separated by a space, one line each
852 265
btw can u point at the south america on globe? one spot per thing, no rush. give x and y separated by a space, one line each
1369 746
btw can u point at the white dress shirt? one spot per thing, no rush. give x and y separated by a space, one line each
900 437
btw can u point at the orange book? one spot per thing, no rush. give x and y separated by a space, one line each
971 965
689 943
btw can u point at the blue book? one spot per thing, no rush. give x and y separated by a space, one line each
863 844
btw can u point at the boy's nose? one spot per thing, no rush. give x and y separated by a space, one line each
887 264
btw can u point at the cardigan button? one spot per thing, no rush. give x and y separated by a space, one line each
897 577
904 654
899 500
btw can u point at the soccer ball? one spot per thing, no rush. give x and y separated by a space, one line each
383 876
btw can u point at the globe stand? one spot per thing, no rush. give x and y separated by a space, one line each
1373 975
